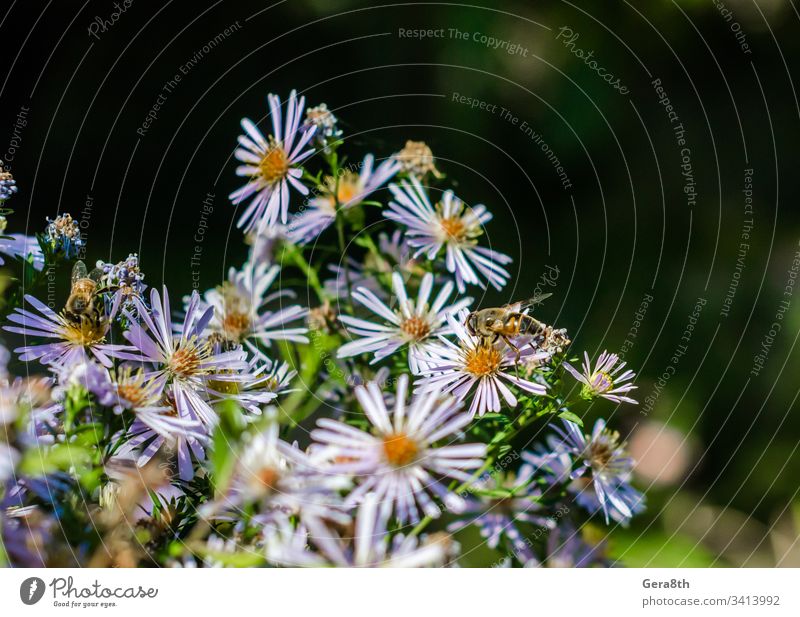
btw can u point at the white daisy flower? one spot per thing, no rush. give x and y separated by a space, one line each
398 462
412 323
341 193
284 480
370 546
239 305
475 365
450 225
272 164
605 379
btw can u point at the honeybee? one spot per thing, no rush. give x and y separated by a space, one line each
82 302
505 322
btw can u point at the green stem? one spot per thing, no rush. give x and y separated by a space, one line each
313 279
342 248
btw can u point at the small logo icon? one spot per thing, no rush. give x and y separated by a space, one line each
31 590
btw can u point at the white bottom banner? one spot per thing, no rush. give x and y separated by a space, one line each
382 593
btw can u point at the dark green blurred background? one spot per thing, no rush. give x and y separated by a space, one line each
723 478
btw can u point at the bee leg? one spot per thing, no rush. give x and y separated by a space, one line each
514 347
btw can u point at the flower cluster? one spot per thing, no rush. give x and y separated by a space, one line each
8 186
331 401
63 234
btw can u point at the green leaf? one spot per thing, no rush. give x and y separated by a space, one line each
566 414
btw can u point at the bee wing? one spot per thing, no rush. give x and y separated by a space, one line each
78 271
525 305
96 275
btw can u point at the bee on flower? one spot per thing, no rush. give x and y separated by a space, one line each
475 366
412 323
73 340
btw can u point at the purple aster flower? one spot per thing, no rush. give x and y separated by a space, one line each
338 195
567 548
605 379
450 225
272 165
159 423
258 384
414 323
327 125
394 255
186 359
8 186
370 545
9 457
64 235
475 365
20 245
503 502
284 481
399 461
240 314
601 481
75 339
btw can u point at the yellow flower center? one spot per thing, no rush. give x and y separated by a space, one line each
85 332
348 188
186 360
483 360
399 449
274 165
415 327
268 478
235 324
454 228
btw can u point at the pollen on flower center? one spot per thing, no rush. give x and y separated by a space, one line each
348 188
274 165
483 360
185 362
86 332
268 478
602 382
399 449
415 327
133 393
454 228
601 451
235 323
